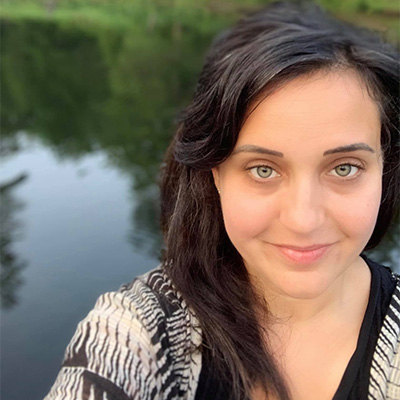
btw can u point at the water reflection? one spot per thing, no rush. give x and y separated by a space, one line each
145 218
10 231
80 90
76 222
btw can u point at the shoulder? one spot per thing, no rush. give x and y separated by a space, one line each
385 369
154 301
139 342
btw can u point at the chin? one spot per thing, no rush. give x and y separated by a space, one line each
302 285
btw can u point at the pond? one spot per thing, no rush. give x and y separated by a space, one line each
86 117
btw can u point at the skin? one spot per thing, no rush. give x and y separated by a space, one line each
300 195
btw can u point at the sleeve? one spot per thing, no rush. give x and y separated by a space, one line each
111 355
385 369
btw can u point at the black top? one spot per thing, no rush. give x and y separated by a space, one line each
355 380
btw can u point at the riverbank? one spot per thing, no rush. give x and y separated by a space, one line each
153 12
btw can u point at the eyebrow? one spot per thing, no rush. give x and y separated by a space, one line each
248 148
349 148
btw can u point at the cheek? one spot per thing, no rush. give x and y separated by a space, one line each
359 216
246 216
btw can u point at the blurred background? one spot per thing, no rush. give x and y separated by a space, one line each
89 94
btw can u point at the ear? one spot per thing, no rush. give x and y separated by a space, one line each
215 172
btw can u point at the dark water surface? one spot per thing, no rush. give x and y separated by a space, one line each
76 226
86 117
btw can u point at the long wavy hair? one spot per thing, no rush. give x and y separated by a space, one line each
263 51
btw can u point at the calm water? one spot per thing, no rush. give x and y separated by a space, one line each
76 222
86 117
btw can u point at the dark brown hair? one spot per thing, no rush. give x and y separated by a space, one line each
264 50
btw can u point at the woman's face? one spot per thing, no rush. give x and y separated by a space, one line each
301 191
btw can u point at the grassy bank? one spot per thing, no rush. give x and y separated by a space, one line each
126 12
176 16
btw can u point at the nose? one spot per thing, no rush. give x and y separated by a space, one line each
303 209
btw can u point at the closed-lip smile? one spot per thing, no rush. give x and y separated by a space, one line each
303 254
303 248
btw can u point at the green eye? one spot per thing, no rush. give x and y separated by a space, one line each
345 170
263 172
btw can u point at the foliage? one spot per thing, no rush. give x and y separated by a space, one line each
127 12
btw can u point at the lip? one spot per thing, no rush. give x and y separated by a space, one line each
303 255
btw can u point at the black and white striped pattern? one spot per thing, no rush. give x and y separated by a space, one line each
385 369
141 343
138 343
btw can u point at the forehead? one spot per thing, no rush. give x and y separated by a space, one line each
329 108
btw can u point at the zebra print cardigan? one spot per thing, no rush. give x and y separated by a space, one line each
142 343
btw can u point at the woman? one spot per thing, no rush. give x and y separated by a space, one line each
283 170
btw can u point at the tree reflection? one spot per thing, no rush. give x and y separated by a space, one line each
10 231
118 91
